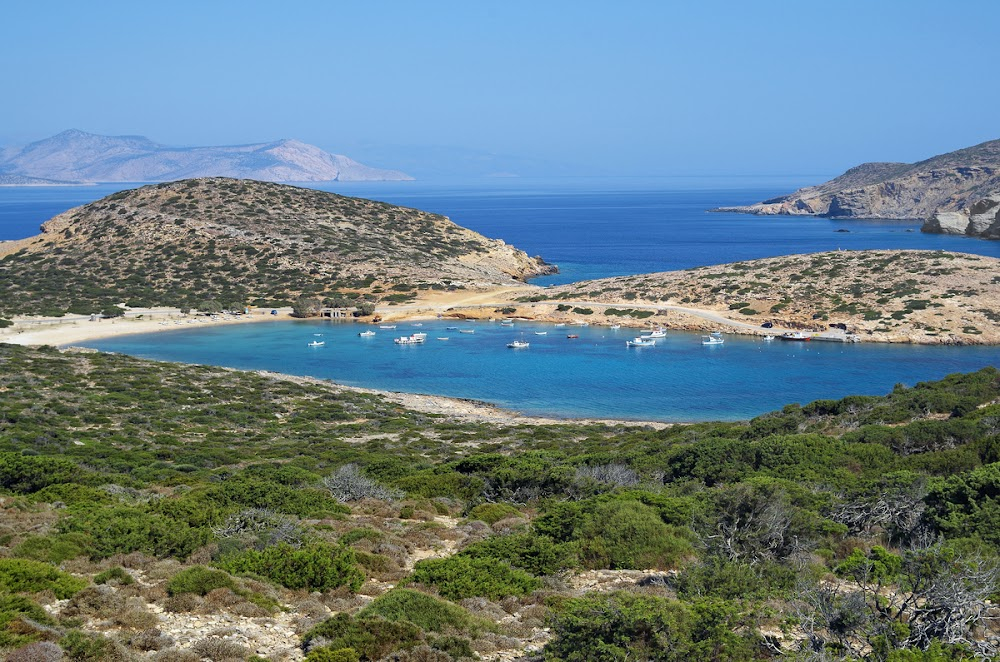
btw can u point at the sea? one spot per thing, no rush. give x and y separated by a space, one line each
590 228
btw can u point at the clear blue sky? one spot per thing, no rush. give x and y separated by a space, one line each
618 88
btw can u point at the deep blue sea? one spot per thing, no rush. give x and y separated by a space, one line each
591 229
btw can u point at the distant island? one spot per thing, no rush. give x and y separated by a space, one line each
76 157
953 193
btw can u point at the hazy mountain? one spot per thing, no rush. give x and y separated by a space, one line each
79 156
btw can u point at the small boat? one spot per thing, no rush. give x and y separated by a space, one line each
541 333
415 339
467 331
387 326
519 344
561 324
317 334
418 324
367 334
640 342
581 324
451 328
443 338
658 332
572 335
768 338
712 340
506 322
616 326
317 343
796 335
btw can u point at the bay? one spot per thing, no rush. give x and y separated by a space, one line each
594 375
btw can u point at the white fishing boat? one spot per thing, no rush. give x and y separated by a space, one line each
367 334
443 338
640 342
541 333
712 340
796 336
561 324
317 343
768 338
415 339
467 331
519 344
658 332
616 326
387 326
507 323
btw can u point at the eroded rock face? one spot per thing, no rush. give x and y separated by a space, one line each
982 219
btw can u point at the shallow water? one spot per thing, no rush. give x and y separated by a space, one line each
593 376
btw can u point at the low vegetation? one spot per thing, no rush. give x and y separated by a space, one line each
315 521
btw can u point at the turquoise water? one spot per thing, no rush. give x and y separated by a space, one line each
592 376
591 229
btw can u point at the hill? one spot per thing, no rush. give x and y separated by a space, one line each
889 296
171 512
79 156
241 241
951 182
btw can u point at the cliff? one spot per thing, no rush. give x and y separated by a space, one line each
79 156
241 241
952 182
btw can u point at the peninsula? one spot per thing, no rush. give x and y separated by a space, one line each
240 242
948 191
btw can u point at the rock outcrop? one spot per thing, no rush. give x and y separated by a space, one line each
952 183
79 156
982 219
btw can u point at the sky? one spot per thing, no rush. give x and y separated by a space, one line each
617 89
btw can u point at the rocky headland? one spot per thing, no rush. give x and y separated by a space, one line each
240 242
945 191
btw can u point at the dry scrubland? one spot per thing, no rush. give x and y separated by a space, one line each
239 242
883 296
165 512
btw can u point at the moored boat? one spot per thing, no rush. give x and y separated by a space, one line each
519 344
317 343
714 339
415 339
640 342
796 336
572 335
367 334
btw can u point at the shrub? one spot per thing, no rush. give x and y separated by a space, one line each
316 567
620 626
15 607
199 580
348 484
25 576
460 577
370 638
491 513
116 574
52 548
25 474
629 534
40 651
537 554
429 613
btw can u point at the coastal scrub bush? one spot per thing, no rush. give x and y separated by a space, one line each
198 580
316 567
53 548
370 638
122 530
460 577
13 608
347 483
491 513
538 554
24 474
429 613
117 574
629 534
620 626
26 576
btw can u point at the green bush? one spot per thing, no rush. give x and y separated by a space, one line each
116 574
626 626
370 638
199 580
429 613
14 607
629 534
52 548
25 576
537 554
491 513
460 577
25 474
316 567
122 530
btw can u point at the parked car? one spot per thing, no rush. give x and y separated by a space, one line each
766 325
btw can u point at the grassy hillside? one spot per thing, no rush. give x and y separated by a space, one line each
160 511
242 242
